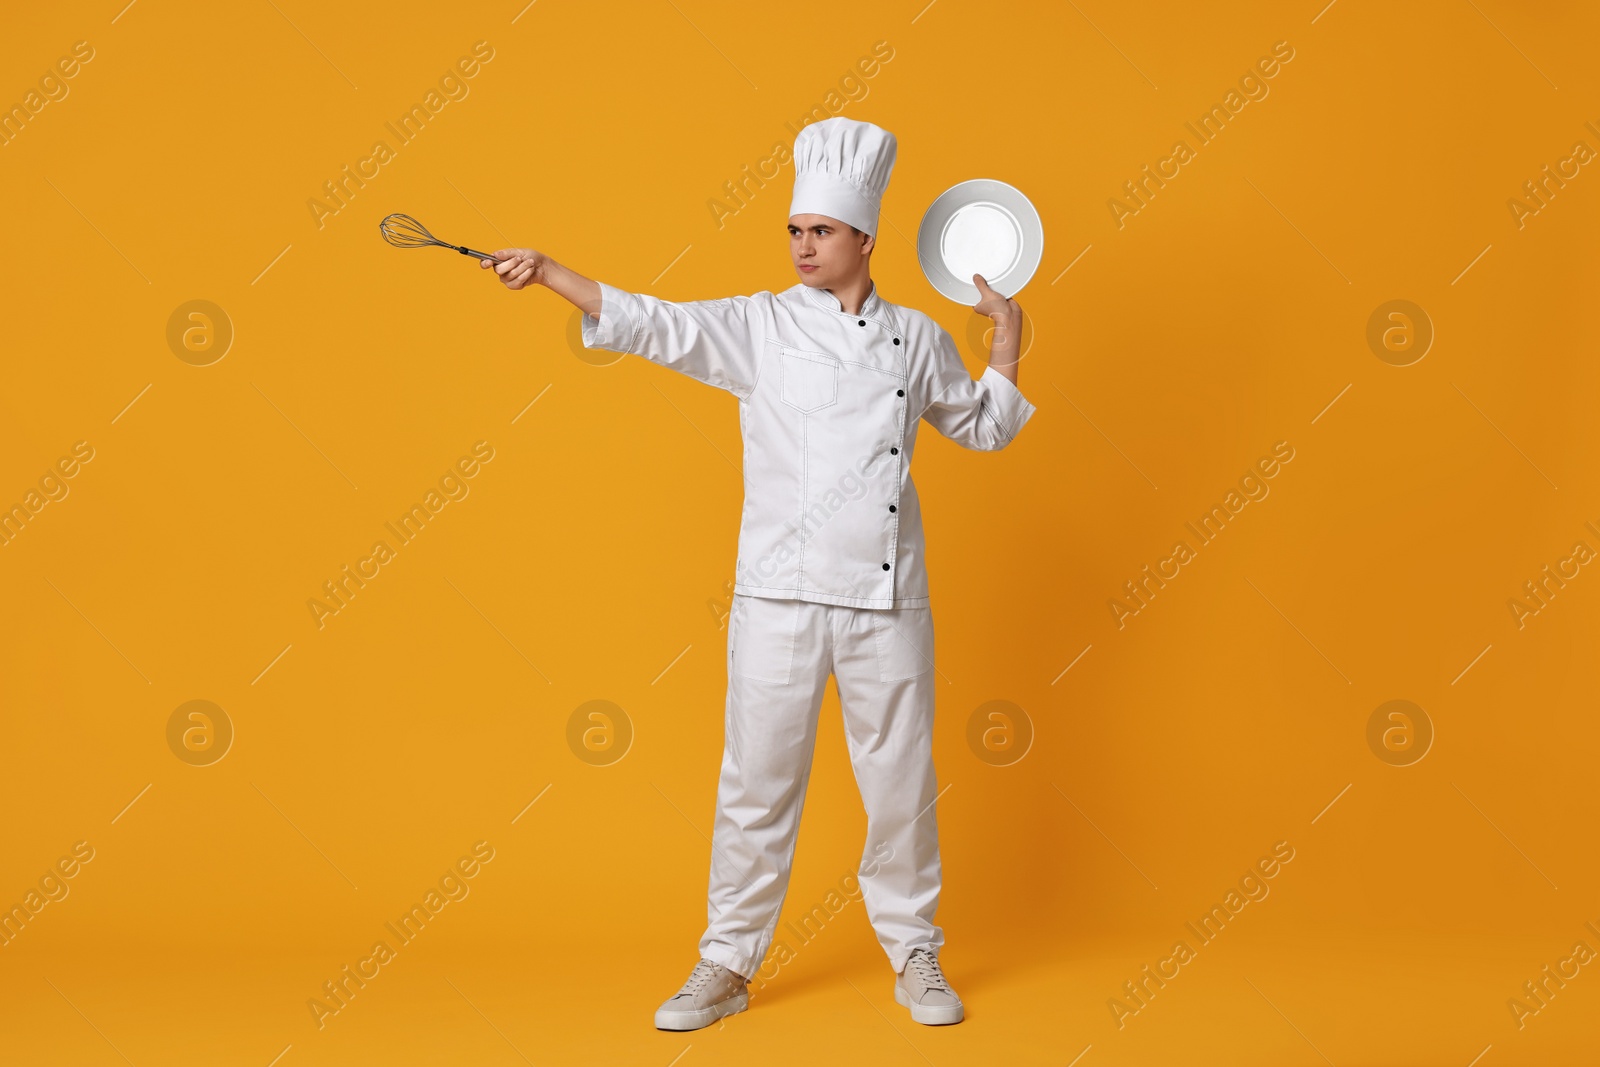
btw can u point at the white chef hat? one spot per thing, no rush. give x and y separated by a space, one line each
841 168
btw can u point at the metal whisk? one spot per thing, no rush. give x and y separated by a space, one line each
403 231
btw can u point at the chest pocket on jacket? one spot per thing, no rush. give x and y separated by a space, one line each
810 379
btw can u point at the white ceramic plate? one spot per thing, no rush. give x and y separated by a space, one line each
982 227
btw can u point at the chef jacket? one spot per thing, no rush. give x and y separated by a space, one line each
829 405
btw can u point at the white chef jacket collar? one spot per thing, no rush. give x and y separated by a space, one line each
823 298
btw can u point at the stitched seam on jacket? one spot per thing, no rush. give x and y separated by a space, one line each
805 458
841 598
896 375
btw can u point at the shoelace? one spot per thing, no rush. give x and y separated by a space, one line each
703 972
927 970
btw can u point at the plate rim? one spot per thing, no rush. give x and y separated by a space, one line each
1028 218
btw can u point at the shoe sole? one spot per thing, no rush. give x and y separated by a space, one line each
701 1017
929 1015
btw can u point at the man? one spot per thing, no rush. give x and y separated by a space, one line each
830 579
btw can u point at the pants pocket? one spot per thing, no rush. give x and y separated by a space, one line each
904 637
761 636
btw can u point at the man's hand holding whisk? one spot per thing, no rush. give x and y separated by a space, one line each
518 267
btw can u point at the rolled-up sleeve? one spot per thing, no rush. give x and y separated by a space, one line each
985 413
718 342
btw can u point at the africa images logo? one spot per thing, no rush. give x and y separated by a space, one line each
1252 485
1253 84
1252 888
339 191
339 991
452 486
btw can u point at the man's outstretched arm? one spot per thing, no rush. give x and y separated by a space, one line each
718 342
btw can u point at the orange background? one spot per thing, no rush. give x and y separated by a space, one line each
590 555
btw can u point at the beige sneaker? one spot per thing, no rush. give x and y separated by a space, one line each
711 992
922 988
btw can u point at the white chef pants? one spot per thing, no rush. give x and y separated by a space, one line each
780 653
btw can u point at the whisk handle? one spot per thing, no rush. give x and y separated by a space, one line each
464 250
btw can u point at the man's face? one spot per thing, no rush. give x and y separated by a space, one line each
826 252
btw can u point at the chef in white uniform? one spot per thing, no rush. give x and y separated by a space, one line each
830 575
